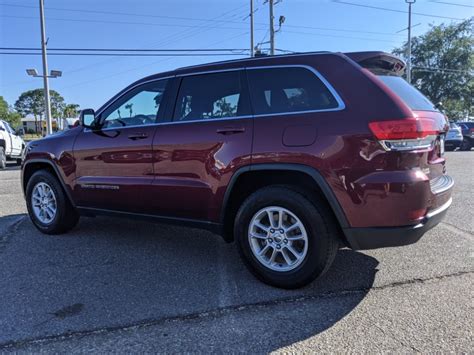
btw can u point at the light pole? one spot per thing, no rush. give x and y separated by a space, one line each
251 29
272 29
53 74
409 2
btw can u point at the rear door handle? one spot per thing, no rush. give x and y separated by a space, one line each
137 136
230 130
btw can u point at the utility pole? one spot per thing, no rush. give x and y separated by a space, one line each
47 102
272 29
251 29
409 2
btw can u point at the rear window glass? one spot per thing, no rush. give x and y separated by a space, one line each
280 90
410 95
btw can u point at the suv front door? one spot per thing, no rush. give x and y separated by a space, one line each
114 167
197 153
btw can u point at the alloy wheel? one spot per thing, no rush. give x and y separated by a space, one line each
278 238
44 203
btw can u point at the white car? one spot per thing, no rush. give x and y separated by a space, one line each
12 145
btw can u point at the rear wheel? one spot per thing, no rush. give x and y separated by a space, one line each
286 240
48 206
3 158
465 145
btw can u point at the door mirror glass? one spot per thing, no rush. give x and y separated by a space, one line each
87 118
20 132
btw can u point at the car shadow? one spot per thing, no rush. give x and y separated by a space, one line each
125 272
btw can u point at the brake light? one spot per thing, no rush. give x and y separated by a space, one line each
405 134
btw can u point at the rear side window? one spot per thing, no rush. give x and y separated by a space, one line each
289 89
410 95
210 96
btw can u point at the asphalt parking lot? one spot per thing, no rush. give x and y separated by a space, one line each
119 285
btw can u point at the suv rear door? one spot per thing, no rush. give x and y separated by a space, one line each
209 137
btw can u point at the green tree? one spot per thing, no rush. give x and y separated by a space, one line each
3 108
71 110
32 103
443 66
8 114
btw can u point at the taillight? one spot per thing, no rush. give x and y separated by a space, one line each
405 134
472 130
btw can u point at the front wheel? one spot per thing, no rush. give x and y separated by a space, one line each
48 206
465 145
285 239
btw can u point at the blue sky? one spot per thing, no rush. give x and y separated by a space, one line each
89 81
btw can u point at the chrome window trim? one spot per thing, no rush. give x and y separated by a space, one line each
173 123
341 106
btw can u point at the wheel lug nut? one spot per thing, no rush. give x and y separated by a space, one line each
282 231
270 240
272 230
285 241
278 246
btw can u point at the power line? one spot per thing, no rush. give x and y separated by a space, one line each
173 38
123 13
126 49
342 30
453 71
394 10
117 22
140 67
174 17
127 54
339 36
451 3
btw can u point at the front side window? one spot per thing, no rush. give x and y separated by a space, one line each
289 89
210 96
138 107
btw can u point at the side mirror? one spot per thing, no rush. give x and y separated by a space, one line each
20 132
87 118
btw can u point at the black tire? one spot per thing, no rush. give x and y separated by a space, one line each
317 219
20 160
3 158
66 216
465 145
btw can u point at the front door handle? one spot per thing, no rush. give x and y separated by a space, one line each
230 130
137 136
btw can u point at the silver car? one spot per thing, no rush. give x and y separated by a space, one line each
453 137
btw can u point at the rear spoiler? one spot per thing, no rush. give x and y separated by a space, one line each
378 62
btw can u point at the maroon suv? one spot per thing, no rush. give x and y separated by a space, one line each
291 156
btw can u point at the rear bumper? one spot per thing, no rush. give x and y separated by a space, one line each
383 237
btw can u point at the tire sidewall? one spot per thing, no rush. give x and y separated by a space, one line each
43 176
3 158
317 231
